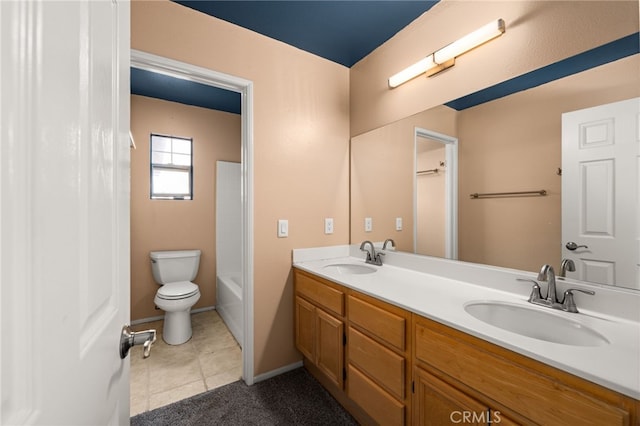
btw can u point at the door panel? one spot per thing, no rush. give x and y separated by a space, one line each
600 182
65 121
306 328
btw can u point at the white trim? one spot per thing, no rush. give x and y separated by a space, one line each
277 371
162 65
450 187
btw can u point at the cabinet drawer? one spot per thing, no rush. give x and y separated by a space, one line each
383 365
503 380
320 293
441 404
385 325
378 404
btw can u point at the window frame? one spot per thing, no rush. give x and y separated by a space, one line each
156 166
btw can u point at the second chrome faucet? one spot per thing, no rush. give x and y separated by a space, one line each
551 301
373 258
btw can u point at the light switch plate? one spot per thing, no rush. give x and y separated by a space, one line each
398 224
283 228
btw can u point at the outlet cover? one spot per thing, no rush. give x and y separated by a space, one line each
328 225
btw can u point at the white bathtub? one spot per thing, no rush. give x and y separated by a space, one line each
229 303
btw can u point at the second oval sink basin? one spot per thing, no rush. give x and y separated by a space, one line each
535 324
349 268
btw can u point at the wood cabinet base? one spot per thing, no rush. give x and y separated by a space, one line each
358 413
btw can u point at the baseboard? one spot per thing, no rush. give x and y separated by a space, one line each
159 317
205 309
276 372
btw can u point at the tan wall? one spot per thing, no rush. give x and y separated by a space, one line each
538 33
172 224
301 143
514 144
382 176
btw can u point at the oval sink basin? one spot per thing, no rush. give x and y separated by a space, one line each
349 269
535 324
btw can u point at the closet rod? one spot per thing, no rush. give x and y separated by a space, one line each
541 192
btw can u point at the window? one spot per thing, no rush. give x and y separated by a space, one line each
171 168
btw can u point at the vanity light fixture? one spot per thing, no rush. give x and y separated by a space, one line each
444 58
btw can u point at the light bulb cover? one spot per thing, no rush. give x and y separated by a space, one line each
412 71
445 58
470 41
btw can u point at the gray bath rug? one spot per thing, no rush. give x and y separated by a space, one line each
292 398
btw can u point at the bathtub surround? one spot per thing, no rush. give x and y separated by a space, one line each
176 224
229 246
290 398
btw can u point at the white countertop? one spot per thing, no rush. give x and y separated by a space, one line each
441 298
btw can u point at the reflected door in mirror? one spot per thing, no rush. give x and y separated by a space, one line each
600 192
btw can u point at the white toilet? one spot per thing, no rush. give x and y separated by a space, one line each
174 271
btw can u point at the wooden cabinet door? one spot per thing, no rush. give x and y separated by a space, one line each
437 403
306 328
330 346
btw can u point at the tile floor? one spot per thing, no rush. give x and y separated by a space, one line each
212 358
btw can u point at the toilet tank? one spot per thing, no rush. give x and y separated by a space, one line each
176 265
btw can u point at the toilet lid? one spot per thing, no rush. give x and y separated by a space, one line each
177 290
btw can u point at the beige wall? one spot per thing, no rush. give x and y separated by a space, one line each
538 33
382 179
301 149
172 224
514 144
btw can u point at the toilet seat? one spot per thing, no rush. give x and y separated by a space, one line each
177 290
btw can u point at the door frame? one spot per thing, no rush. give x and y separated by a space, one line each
149 62
450 187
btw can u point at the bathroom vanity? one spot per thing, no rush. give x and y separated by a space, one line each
398 345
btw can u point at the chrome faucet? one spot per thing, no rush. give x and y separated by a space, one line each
372 257
567 265
567 303
388 240
548 274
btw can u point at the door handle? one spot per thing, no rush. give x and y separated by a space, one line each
572 246
130 338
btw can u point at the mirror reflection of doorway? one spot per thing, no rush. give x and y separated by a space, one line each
435 194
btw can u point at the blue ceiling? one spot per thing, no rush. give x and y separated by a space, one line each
341 31
618 49
160 86
345 32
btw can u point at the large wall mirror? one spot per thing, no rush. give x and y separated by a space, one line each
510 144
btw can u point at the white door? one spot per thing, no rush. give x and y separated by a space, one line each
600 198
64 211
